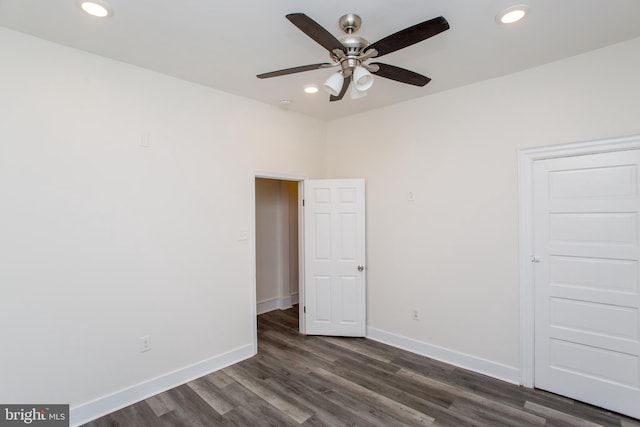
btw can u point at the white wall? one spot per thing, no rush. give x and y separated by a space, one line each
268 241
103 241
453 252
276 244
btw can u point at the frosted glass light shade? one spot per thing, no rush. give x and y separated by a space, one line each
333 85
354 93
362 79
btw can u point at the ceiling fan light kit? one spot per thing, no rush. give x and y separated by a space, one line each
352 54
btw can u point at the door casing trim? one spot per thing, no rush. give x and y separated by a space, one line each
252 247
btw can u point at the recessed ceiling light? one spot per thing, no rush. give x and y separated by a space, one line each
512 14
97 8
311 89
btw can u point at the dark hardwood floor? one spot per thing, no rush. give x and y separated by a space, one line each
323 381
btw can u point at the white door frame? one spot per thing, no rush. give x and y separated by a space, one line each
252 247
526 159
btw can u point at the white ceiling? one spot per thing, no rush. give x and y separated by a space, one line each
224 44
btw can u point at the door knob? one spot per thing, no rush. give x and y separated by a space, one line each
361 268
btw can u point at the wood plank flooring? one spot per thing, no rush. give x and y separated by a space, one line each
323 381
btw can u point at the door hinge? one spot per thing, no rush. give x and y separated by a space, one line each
304 309
302 202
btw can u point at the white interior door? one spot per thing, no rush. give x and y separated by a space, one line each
334 241
586 212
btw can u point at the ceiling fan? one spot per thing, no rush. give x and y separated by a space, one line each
352 53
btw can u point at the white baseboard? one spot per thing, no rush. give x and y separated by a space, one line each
276 303
295 299
89 411
473 363
285 303
268 305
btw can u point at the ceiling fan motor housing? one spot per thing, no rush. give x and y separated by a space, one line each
354 44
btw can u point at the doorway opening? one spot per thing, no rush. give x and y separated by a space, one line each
331 252
278 261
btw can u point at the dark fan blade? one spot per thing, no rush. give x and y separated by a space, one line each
292 70
315 31
400 74
409 36
345 86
